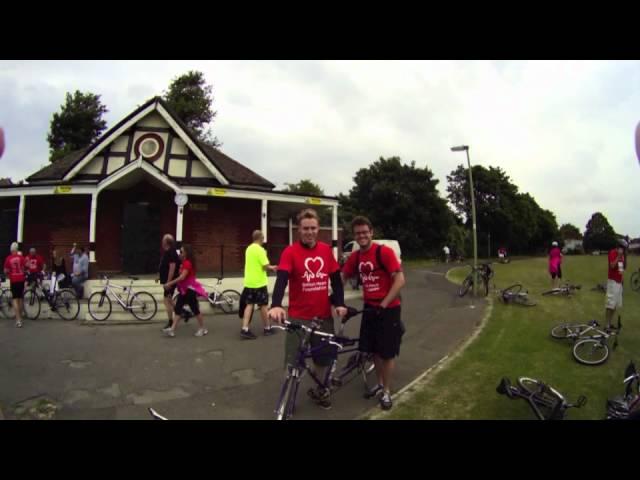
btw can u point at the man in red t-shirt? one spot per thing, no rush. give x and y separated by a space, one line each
308 266
34 265
14 267
381 328
617 262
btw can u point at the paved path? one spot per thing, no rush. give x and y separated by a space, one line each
116 372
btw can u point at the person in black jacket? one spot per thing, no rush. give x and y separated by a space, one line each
168 270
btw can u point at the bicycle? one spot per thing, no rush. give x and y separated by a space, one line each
155 415
485 272
228 301
567 290
545 401
589 348
142 305
515 295
6 300
635 281
62 301
626 406
285 405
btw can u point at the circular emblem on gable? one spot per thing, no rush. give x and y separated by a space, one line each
150 146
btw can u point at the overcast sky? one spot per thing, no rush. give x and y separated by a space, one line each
563 131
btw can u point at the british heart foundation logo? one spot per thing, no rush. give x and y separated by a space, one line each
366 271
313 267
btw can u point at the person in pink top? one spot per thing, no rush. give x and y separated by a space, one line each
555 265
14 266
188 289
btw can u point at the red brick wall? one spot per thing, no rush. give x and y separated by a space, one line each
8 223
226 221
56 221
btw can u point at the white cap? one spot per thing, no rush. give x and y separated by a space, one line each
554 244
14 247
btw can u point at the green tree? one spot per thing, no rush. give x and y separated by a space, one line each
304 186
191 98
514 220
403 203
78 124
599 234
569 231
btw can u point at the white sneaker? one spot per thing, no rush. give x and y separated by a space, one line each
202 332
18 324
168 332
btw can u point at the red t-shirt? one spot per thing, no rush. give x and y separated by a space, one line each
616 272
376 281
309 270
15 264
34 263
188 266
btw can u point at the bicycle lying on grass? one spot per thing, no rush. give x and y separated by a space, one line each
514 295
635 281
591 344
545 401
485 273
567 290
627 406
358 362
140 304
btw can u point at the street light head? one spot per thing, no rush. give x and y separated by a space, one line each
460 148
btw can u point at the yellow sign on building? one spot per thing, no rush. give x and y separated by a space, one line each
217 192
314 201
62 189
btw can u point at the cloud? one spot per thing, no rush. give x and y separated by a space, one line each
562 130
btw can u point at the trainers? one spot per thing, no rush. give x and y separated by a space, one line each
372 392
202 332
169 333
322 397
18 324
248 335
385 401
268 331
168 325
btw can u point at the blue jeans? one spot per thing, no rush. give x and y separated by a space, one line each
78 284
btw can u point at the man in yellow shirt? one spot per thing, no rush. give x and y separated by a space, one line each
256 266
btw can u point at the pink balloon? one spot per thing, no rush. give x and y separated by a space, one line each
638 141
1 141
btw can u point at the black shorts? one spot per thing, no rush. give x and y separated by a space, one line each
169 293
17 289
191 299
381 334
256 296
557 274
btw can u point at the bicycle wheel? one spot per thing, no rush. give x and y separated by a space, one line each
466 285
551 292
143 306
6 304
544 396
99 306
67 304
525 301
565 330
366 368
635 281
285 403
591 352
31 305
230 301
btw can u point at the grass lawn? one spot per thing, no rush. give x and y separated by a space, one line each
516 342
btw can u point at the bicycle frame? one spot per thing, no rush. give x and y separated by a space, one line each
108 290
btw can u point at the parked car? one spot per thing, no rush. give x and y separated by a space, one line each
353 246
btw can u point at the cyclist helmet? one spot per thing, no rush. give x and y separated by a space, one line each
554 244
623 243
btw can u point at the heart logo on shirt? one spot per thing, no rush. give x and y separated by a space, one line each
313 267
365 267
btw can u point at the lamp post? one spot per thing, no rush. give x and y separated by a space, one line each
465 148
